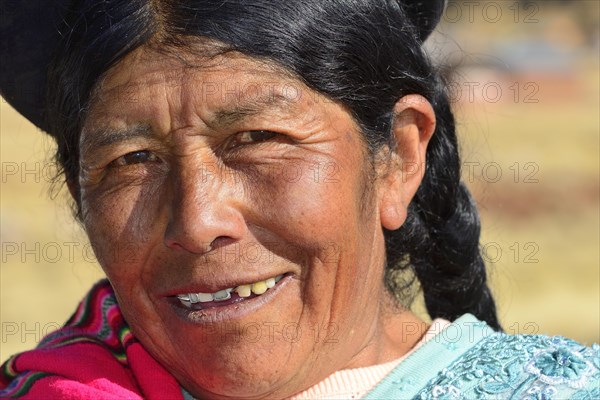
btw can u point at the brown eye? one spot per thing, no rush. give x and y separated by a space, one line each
250 137
136 157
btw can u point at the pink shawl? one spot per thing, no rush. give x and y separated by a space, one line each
94 356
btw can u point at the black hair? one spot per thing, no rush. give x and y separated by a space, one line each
363 54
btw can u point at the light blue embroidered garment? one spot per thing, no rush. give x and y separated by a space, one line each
468 360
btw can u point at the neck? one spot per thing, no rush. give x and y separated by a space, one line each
397 332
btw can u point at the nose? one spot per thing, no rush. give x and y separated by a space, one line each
202 212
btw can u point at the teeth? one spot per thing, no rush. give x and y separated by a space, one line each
222 295
183 297
243 291
195 297
259 287
205 297
186 303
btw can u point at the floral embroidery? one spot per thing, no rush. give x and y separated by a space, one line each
449 392
507 379
560 365
541 393
529 367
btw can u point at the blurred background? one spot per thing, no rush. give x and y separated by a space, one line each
525 85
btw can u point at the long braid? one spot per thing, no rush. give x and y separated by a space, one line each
440 238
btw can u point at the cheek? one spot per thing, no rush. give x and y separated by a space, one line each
324 224
121 226
306 200
121 223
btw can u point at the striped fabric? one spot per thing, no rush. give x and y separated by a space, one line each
93 356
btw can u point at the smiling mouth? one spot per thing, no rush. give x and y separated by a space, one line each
199 301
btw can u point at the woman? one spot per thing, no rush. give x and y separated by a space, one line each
260 182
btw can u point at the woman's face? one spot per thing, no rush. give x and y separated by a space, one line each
199 180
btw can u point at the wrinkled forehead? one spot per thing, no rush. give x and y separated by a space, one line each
212 79
165 93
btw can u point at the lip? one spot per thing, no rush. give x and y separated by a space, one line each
215 287
228 311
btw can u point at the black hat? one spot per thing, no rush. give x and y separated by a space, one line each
29 33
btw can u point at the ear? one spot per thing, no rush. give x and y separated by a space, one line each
412 127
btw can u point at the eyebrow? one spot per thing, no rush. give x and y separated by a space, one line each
251 107
97 138
102 137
